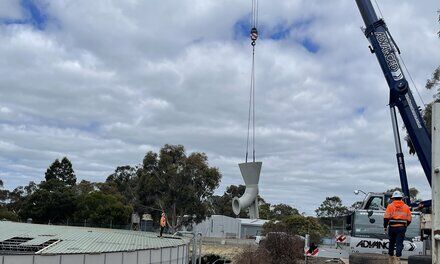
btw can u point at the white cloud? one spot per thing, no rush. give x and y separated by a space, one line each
105 82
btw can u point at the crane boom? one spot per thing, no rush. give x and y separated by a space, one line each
383 45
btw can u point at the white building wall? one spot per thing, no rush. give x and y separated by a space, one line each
219 226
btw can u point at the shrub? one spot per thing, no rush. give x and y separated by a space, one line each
277 248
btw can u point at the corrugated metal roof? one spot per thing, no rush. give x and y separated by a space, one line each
74 240
253 222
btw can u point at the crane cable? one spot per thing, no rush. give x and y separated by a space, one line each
251 113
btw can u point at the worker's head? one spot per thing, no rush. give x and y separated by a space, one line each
397 195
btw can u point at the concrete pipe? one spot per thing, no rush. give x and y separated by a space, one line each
250 172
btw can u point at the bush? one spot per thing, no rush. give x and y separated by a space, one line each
277 248
251 255
5 214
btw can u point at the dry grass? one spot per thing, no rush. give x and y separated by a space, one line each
225 251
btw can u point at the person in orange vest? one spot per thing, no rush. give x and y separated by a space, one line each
396 219
163 223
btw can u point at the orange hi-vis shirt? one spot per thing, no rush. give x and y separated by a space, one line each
163 221
398 214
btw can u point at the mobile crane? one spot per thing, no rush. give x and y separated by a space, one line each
385 48
365 224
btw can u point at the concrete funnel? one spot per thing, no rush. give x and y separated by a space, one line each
250 172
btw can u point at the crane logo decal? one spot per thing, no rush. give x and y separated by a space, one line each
384 245
413 111
390 56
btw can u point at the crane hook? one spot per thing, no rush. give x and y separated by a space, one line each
254 36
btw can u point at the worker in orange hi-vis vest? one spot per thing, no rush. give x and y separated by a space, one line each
163 223
397 217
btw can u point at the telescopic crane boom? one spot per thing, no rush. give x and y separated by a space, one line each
386 50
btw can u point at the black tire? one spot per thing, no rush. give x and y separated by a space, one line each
359 258
420 259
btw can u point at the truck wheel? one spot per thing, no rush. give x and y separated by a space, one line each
359 258
420 259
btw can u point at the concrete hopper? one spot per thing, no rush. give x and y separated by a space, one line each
250 171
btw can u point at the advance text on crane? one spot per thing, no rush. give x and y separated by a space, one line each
389 54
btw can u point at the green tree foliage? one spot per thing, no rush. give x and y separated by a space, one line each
264 209
53 201
413 192
282 211
222 205
434 82
3 194
180 185
4 211
61 171
18 197
277 211
99 208
356 205
331 208
298 225
85 187
331 212
125 180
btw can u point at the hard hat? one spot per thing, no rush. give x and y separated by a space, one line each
397 194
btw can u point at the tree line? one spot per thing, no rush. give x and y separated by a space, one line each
169 181
181 185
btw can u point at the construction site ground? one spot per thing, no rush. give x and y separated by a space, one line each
229 248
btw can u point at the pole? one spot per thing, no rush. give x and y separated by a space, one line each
436 183
306 247
194 249
200 247
399 156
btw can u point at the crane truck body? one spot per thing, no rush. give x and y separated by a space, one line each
366 224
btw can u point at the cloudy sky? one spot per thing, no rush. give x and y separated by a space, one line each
103 82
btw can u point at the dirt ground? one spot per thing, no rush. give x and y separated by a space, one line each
226 251
230 251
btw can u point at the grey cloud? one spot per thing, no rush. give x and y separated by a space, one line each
10 9
107 81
